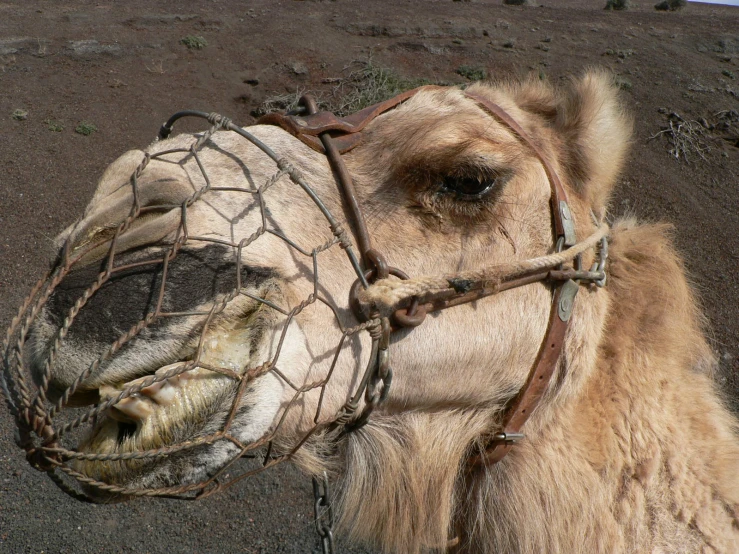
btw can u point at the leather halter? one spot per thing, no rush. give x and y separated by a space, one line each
333 136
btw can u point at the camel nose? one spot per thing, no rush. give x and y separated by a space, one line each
196 279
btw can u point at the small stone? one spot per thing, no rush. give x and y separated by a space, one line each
509 43
299 68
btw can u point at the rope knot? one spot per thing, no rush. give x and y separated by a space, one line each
375 332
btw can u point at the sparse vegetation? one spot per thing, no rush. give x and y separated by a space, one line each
19 115
85 128
617 5
728 74
623 83
194 42
367 85
686 137
54 126
472 73
671 5
517 2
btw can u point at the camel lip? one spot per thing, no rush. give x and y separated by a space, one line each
174 402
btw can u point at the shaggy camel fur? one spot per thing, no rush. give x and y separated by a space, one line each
643 459
631 449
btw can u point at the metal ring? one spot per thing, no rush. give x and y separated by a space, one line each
413 316
382 270
360 313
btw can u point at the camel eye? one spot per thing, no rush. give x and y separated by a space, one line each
468 188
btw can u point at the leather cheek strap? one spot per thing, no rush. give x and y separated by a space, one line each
536 385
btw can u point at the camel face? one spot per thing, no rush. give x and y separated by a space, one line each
444 187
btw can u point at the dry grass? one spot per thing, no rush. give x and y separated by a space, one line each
671 5
617 5
364 85
686 137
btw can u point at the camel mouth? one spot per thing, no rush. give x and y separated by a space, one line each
179 402
143 410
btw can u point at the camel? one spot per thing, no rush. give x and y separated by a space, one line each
630 448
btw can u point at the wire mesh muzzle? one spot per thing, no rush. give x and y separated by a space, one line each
46 425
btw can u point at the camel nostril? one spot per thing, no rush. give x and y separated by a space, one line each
125 431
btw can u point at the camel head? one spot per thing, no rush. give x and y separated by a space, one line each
224 303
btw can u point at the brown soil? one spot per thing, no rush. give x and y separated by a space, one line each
122 67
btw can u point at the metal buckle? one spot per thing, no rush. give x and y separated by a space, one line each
568 225
567 299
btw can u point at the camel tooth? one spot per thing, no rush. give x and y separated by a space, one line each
117 415
135 407
163 393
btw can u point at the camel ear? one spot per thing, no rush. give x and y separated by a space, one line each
595 134
593 129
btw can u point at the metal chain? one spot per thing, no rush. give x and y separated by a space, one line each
324 513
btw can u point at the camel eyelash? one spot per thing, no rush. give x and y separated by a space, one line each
467 192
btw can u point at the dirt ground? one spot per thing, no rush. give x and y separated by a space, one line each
122 67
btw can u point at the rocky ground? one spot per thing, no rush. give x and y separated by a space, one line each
122 68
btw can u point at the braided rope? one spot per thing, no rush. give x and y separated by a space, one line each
389 294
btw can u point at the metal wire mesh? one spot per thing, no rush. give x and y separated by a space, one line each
47 429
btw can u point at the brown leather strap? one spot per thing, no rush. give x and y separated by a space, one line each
344 131
528 397
563 225
334 136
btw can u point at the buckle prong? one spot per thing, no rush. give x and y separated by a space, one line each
508 438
